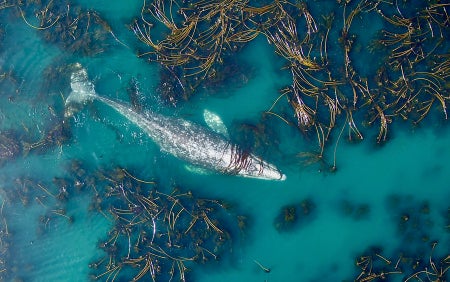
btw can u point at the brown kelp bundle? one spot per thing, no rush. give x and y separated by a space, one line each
15 143
354 210
20 196
429 267
53 137
407 82
191 40
70 27
155 235
51 197
411 80
295 215
375 266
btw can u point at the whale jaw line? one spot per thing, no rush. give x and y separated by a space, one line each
260 169
279 177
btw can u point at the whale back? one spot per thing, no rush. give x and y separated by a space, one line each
181 138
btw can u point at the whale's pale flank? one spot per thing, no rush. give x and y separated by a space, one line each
190 142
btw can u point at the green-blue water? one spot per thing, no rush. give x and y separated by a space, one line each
402 177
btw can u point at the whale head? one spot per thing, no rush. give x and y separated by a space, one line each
255 167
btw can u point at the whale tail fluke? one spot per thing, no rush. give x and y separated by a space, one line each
83 90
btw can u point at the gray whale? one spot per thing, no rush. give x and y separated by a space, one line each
183 139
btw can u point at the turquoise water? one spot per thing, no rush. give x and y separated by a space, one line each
360 206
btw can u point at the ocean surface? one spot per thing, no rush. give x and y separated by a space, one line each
384 209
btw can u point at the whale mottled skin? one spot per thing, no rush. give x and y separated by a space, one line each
183 139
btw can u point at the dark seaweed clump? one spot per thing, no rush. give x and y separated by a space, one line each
175 86
355 211
68 26
294 216
15 143
23 194
413 218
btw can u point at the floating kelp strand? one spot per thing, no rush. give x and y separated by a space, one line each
46 19
53 137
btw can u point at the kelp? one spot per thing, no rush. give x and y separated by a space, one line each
74 29
192 40
155 235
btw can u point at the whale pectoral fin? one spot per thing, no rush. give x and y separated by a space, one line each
197 169
215 123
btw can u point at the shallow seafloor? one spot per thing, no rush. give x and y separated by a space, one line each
360 206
